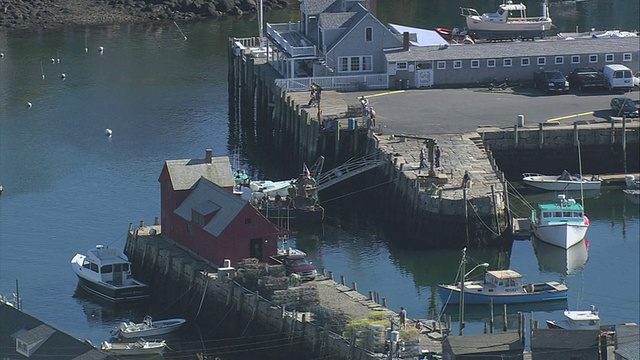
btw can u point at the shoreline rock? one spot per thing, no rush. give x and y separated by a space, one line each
31 15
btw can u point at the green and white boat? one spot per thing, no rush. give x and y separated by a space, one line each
562 223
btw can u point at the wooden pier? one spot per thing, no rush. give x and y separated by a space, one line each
178 276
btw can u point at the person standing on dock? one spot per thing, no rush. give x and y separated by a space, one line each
372 117
403 318
422 158
466 180
437 153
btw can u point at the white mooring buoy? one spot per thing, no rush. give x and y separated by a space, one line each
63 76
101 49
28 105
108 132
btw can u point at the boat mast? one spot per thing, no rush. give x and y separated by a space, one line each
581 179
462 273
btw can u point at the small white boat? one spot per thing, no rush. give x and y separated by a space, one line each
580 319
140 347
564 182
106 272
631 182
509 21
148 327
271 188
562 223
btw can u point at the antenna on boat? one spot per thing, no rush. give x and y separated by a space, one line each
580 168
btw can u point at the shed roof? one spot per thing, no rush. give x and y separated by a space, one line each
186 172
487 343
423 37
564 339
205 191
516 49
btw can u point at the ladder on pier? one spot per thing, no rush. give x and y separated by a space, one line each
352 167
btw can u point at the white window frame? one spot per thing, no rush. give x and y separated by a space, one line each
475 64
507 62
609 57
345 64
541 61
575 59
402 65
491 63
593 58
370 30
457 64
627 57
442 65
525 60
559 60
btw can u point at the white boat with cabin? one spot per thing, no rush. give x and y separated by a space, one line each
509 21
581 319
148 327
564 182
140 347
562 223
106 272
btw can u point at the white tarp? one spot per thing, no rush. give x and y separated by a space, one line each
425 37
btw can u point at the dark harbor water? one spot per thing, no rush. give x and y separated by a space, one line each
68 187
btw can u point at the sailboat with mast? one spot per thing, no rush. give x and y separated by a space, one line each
562 223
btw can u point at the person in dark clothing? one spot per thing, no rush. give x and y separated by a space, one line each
437 154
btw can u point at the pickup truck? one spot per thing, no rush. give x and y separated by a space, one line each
295 262
582 79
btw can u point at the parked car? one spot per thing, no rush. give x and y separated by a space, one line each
624 106
618 78
581 79
295 262
551 81
636 79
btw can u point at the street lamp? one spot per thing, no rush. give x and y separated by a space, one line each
462 280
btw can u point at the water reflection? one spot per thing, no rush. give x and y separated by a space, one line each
562 261
482 312
99 311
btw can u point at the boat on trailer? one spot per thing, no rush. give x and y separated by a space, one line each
562 223
106 272
510 21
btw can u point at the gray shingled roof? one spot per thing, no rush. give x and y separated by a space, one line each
564 339
314 7
334 20
186 172
518 49
206 191
488 343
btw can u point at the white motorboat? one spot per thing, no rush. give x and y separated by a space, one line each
271 188
581 319
106 272
148 327
631 182
509 21
562 223
140 347
564 182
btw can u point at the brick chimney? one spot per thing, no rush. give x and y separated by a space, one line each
405 41
208 157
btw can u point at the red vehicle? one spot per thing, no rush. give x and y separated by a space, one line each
295 262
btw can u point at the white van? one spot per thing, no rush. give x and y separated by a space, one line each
617 77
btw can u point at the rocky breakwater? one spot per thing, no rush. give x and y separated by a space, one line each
23 14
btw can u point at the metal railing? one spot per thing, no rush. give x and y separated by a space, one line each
340 83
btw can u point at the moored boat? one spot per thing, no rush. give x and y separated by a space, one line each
140 347
580 319
564 182
148 327
106 272
509 21
631 182
562 223
503 287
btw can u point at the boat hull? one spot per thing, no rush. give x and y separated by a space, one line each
510 29
556 185
115 294
160 327
563 235
451 295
